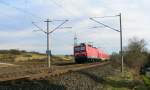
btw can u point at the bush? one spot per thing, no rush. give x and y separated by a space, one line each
135 54
146 80
115 59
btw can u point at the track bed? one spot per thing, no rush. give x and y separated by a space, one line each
36 72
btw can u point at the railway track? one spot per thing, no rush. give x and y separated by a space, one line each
40 73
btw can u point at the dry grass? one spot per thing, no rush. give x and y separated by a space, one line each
98 78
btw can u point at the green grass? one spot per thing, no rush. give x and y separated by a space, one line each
146 81
125 81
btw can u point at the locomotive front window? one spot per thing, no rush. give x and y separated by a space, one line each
82 48
79 48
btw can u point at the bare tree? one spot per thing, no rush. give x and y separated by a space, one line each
135 54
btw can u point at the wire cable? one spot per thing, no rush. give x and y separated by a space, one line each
105 25
58 26
21 10
38 27
62 7
105 16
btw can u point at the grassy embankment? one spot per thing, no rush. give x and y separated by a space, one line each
31 57
146 81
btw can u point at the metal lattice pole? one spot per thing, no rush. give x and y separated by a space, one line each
118 30
48 51
122 61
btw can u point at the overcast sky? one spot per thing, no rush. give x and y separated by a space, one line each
16 28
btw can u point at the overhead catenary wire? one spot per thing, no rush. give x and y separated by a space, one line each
26 12
105 25
20 9
48 51
40 29
121 41
104 16
68 11
58 26
62 7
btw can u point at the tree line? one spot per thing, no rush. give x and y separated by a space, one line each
17 52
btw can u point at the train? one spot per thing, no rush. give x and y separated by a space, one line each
87 53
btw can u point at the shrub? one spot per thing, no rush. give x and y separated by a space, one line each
135 54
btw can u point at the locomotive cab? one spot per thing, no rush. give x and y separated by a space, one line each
87 53
80 53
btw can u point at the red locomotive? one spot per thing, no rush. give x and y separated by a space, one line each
88 53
